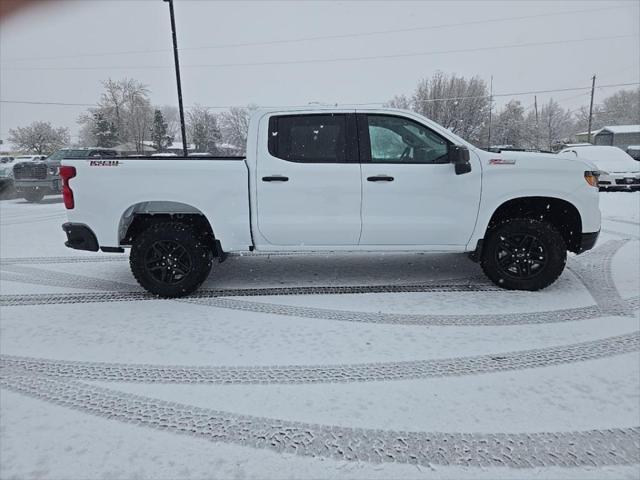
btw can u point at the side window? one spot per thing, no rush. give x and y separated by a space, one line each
400 140
309 138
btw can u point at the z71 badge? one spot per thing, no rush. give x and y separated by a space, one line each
104 163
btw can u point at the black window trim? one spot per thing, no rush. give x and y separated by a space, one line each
364 140
352 154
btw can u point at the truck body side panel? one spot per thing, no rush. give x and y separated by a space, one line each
106 191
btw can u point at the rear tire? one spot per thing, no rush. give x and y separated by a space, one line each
170 259
523 254
33 195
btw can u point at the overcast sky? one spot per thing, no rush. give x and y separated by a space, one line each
61 51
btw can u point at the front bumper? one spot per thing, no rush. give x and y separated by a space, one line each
80 237
588 240
619 181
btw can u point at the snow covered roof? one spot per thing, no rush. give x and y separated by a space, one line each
622 129
190 146
593 132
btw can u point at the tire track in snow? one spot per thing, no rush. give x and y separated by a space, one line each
593 448
484 319
48 260
47 298
296 374
40 276
594 269
620 220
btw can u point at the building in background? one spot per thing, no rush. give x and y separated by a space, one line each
621 136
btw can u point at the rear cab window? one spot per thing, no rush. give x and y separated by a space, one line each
313 138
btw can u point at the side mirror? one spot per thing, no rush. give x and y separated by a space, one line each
459 156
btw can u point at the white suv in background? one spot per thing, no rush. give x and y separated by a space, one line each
618 170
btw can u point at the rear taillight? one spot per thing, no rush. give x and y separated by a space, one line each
67 173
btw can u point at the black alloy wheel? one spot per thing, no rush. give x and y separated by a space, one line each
170 259
523 254
168 262
520 255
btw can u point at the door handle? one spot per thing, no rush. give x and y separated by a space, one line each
275 178
380 178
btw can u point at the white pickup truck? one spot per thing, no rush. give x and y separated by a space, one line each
331 179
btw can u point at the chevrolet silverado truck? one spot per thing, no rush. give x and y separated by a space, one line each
329 180
35 179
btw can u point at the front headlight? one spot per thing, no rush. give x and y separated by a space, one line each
592 177
54 170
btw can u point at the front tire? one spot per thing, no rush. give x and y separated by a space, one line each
170 259
523 254
34 195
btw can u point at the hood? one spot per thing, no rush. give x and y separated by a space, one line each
544 159
608 159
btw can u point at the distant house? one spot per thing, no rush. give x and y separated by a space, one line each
583 137
618 136
176 147
130 148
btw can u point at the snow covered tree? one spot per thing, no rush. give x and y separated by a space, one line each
511 127
621 108
103 131
172 117
234 125
39 137
159 132
125 106
457 103
556 124
203 130
399 101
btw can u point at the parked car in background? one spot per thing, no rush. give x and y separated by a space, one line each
6 168
6 172
634 151
618 170
35 179
29 158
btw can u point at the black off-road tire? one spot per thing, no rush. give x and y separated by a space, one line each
33 195
164 249
509 270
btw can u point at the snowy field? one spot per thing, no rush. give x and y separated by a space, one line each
373 366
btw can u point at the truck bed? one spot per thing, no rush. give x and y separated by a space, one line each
107 192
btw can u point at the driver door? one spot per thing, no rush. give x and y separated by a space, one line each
411 194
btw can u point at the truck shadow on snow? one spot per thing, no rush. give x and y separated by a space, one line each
338 269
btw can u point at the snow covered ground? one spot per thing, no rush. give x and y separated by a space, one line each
410 366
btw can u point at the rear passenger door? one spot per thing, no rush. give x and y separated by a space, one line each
308 180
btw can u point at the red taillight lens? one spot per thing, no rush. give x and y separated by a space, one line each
67 173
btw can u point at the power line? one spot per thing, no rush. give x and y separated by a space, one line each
333 60
321 37
509 94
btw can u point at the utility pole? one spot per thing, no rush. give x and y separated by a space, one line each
490 110
593 87
177 62
535 105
